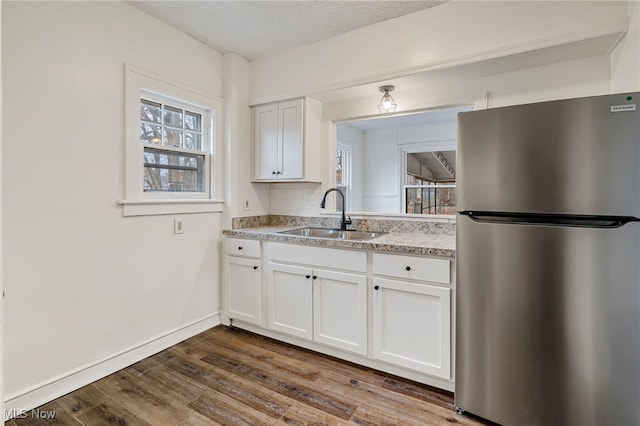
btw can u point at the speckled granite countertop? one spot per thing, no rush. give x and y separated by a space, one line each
393 242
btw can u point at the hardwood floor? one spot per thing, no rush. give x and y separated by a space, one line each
227 376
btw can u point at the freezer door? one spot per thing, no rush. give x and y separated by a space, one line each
562 157
548 324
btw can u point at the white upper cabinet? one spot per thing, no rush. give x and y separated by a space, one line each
265 145
286 138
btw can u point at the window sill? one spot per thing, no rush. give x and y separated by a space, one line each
159 207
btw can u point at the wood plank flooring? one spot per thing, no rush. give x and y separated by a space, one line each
227 376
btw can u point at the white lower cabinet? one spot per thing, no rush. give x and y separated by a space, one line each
412 326
242 292
313 302
340 310
290 303
412 319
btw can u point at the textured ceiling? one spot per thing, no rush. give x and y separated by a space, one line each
260 28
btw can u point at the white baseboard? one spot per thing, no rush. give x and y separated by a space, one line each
53 388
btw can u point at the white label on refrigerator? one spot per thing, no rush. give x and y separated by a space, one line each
621 108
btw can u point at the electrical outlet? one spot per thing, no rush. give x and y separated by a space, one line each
245 205
178 227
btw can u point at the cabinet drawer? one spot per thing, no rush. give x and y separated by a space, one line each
240 247
409 267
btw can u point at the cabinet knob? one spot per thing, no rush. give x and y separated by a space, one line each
273 172
377 287
239 247
255 267
315 277
308 276
408 268
278 172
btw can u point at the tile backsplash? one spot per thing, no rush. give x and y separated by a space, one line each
427 225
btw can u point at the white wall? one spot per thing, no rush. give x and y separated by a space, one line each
381 172
238 143
453 33
625 58
297 199
83 283
383 157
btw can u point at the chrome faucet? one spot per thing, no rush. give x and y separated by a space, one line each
343 222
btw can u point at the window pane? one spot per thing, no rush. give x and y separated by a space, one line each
193 141
339 168
173 171
168 180
172 137
150 133
192 121
172 117
150 111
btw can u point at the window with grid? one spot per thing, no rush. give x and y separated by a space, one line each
172 147
172 136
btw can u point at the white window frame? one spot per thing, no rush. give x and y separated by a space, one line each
409 148
135 201
346 176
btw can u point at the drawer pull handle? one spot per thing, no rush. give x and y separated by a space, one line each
408 268
308 276
255 267
377 287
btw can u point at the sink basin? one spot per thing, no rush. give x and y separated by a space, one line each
336 234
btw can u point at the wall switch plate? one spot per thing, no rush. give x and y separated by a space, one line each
245 205
178 226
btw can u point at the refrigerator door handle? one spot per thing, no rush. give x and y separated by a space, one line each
580 221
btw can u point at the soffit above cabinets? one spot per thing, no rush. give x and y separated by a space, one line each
535 55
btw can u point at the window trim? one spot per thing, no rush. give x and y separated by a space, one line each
137 84
346 175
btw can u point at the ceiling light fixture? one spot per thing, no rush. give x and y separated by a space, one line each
387 104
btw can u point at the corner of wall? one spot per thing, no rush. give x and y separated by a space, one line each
625 57
239 191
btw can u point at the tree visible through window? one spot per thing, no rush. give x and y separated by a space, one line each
430 183
172 138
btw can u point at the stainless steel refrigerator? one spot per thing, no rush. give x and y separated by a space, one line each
548 263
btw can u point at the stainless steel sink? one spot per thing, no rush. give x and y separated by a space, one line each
332 233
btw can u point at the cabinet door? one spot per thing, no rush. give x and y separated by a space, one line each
412 326
290 128
290 295
244 289
265 141
340 310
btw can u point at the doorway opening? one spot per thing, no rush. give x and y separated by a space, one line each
403 164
